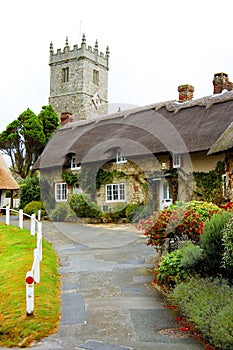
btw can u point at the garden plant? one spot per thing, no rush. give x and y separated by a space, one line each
197 276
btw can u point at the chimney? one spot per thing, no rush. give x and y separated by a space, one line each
66 118
185 92
221 82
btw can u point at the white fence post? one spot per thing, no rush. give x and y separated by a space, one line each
20 218
36 266
7 215
29 293
33 225
39 215
39 245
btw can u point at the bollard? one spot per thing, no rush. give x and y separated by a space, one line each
29 294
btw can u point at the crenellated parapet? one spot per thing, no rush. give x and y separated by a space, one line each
83 52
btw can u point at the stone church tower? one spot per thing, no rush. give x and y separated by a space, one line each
78 81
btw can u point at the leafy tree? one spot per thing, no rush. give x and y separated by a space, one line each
50 121
25 138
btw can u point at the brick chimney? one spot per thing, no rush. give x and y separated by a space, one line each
185 92
221 82
66 118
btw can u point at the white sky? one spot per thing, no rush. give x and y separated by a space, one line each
155 45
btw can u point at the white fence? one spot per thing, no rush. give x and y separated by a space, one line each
34 274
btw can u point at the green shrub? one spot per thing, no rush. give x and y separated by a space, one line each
212 244
207 304
118 211
227 241
204 209
82 205
60 211
33 207
29 190
133 211
177 266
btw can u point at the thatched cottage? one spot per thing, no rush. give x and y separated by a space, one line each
151 153
7 182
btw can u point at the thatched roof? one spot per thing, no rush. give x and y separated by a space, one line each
224 142
170 126
7 182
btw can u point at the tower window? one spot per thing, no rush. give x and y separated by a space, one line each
96 77
65 75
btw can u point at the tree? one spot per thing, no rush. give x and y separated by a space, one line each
50 121
25 138
29 190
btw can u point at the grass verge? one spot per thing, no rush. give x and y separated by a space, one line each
16 256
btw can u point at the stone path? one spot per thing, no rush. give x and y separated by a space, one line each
108 302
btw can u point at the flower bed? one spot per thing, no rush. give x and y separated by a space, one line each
182 220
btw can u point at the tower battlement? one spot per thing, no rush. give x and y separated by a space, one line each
84 51
79 80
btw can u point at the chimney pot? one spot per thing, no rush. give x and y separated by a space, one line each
66 117
185 92
221 82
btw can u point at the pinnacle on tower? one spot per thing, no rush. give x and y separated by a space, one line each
96 44
83 40
51 46
67 42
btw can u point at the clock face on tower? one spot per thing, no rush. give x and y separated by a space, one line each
96 100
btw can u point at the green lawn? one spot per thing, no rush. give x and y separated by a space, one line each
16 256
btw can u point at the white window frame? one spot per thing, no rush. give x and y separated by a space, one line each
177 161
115 193
61 192
119 158
74 165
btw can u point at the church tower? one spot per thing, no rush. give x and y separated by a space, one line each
79 81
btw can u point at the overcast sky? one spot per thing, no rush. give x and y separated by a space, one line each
155 45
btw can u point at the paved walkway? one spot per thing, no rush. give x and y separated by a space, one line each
108 302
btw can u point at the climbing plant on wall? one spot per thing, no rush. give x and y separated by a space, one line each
70 178
209 184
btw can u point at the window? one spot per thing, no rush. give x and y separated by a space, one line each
95 77
65 75
115 192
60 192
177 161
120 159
74 163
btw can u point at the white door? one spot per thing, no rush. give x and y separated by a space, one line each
165 195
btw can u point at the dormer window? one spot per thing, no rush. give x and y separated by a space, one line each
119 158
75 164
177 161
